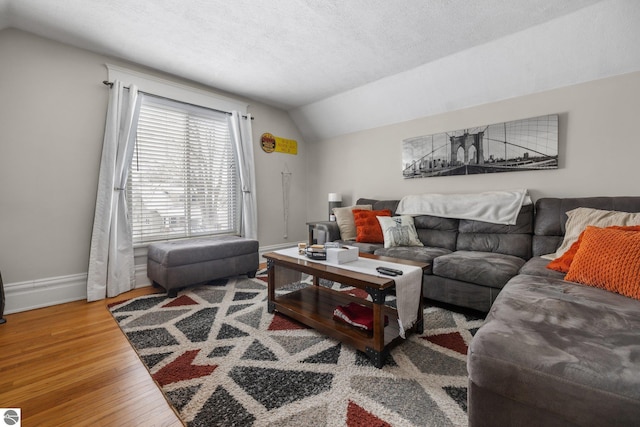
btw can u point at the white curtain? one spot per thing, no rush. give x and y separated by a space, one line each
111 264
242 140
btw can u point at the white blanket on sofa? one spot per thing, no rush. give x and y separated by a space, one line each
497 207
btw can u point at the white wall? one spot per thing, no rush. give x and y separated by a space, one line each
591 43
269 168
52 111
52 114
599 149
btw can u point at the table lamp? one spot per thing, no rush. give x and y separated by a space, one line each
335 201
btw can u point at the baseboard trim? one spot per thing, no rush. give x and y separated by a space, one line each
33 294
39 293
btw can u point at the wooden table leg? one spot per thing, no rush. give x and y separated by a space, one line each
377 352
420 319
271 286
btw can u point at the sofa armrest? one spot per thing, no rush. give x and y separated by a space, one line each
329 228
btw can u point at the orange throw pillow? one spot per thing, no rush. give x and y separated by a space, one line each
562 263
608 258
368 228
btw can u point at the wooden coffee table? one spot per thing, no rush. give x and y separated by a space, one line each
313 305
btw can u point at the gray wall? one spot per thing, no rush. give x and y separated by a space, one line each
52 115
598 144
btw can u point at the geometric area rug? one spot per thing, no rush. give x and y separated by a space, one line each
222 360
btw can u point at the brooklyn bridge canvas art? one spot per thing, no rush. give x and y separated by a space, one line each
529 144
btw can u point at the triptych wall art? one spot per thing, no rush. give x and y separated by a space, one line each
529 144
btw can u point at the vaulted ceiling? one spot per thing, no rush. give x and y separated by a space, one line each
304 56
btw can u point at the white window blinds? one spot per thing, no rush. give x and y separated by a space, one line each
183 179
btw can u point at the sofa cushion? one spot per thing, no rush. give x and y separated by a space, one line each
608 258
368 228
505 239
484 268
518 245
537 266
561 347
544 245
437 232
578 219
523 225
345 221
379 205
550 217
551 212
399 231
421 254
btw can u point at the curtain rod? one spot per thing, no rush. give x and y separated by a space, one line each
110 84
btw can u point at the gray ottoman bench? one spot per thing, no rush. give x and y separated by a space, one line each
177 264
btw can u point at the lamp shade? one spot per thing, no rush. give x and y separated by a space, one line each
335 201
335 197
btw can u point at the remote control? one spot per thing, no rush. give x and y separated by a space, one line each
389 271
385 272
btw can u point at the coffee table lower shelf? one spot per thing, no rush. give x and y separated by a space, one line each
314 306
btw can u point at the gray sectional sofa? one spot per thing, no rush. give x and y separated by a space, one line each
551 352
471 261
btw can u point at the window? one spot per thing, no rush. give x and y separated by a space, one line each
183 179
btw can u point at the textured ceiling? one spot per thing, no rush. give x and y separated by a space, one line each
286 53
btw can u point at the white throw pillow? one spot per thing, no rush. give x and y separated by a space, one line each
399 231
346 223
579 218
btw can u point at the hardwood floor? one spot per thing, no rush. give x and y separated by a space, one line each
71 365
